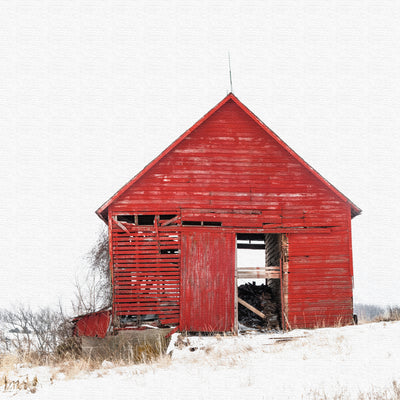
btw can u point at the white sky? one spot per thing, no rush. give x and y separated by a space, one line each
91 91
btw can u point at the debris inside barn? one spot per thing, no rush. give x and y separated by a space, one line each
262 298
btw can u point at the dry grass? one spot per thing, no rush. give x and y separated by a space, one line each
391 393
8 365
124 352
12 379
8 361
321 395
19 384
370 313
391 314
71 362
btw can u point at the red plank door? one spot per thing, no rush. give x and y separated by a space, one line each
208 281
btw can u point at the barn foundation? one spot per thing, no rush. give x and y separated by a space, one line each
134 345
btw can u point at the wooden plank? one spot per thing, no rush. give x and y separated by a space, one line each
170 221
258 275
170 321
159 314
253 246
251 308
268 272
253 275
120 225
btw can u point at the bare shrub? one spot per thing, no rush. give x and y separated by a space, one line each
393 313
33 334
93 288
99 267
373 313
368 312
46 333
69 348
88 295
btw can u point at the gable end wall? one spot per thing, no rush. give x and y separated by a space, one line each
231 171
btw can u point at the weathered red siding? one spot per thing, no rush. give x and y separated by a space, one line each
230 169
319 279
230 163
94 324
208 281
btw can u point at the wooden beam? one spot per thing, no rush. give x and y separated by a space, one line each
251 236
251 308
269 272
170 221
121 225
260 246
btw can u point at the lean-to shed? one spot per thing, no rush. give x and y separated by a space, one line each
229 183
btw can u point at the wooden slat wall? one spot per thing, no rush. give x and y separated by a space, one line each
145 281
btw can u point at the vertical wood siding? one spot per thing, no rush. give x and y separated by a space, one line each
208 282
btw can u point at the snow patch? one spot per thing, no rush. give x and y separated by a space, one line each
300 364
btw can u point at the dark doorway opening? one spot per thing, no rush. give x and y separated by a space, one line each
259 280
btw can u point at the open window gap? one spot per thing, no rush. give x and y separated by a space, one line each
201 223
211 223
166 217
169 251
126 218
191 223
145 219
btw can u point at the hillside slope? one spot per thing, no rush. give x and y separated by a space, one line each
349 362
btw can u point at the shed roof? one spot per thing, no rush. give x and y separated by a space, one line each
102 212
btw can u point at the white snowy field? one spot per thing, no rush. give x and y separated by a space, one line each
354 362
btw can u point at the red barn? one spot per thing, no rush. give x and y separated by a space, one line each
229 183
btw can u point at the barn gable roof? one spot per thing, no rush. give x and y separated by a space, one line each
103 210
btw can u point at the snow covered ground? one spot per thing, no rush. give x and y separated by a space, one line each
302 364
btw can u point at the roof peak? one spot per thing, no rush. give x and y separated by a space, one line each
102 211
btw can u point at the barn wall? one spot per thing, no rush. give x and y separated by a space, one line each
229 170
319 279
146 276
229 165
